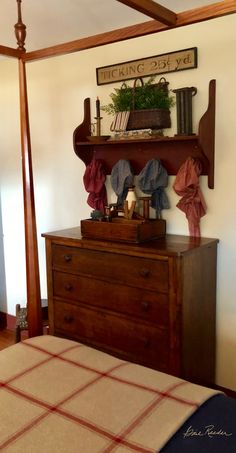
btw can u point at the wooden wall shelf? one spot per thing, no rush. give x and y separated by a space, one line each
172 151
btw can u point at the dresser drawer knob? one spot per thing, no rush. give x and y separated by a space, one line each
145 306
68 287
67 258
68 319
144 272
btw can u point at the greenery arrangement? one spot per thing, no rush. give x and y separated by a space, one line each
146 96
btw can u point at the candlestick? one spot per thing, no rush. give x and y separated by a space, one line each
98 126
98 107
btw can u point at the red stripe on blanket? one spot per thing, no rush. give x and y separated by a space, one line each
140 418
38 364
107 374
114 438
51 408
41 349
100 373
24 430
78 420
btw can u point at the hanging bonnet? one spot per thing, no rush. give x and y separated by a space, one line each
152 181
187 186
121 179
94 183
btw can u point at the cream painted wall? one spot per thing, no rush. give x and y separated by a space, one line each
56 89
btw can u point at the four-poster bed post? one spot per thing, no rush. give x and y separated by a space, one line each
34 310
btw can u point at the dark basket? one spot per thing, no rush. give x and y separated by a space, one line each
149 119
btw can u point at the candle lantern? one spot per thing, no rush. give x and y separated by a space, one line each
184 109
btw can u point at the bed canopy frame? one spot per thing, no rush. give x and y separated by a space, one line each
162 19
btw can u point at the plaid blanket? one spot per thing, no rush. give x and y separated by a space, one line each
57 395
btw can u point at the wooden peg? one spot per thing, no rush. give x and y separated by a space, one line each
145 201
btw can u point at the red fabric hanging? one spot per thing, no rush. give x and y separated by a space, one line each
192 202
94 183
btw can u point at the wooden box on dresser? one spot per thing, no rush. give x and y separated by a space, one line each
152 303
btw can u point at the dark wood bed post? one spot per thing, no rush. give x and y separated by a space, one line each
34 310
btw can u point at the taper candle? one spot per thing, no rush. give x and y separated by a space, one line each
98 108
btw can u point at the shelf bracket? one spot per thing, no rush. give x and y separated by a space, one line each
206 133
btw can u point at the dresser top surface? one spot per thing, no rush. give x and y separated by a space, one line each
171 244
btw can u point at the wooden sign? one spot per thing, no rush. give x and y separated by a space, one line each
160 64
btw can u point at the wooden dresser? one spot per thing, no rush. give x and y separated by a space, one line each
151 303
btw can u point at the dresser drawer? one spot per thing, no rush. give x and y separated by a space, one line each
130 339
128 270
148 305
